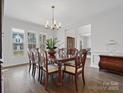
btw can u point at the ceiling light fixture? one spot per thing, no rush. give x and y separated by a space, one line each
53 25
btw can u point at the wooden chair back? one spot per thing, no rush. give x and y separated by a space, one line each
34 55
81 58
72 51
29 55
43 59
62 52
40 56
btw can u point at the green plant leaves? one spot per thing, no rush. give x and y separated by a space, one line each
51 43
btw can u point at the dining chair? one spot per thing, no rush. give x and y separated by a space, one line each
34 60
62 52
77 68
47 67
29 59
71 52
40 63
37 61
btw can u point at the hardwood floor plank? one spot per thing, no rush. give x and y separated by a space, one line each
18 80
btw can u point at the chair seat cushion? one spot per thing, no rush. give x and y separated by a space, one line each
71 69
51 68
62 67
70 63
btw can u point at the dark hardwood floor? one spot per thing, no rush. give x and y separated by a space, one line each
18 80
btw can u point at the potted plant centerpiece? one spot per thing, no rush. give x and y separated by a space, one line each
51 46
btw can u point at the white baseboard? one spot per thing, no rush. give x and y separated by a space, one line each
94 66
15 65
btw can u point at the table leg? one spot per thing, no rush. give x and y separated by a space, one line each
60 75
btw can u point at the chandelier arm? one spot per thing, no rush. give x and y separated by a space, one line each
53 14
53 25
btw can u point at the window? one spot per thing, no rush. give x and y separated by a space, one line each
42 40
18 41
31 40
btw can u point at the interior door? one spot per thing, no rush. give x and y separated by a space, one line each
70 42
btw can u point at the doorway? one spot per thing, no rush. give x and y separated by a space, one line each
84 38
70 42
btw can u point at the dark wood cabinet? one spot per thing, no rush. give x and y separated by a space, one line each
111 63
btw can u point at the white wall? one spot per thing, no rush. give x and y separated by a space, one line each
9 23
63 34
105 26
61 38
85 29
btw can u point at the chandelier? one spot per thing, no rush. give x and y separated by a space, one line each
53 24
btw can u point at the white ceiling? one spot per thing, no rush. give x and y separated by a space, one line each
67 11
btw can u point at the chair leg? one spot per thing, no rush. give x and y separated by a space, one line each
76 82
33 70
62 78
83 77
52 76
29 66
46 81
39 74
44 78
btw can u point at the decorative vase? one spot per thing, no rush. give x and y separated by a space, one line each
51 53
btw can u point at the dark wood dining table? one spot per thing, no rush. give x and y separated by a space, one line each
60 61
